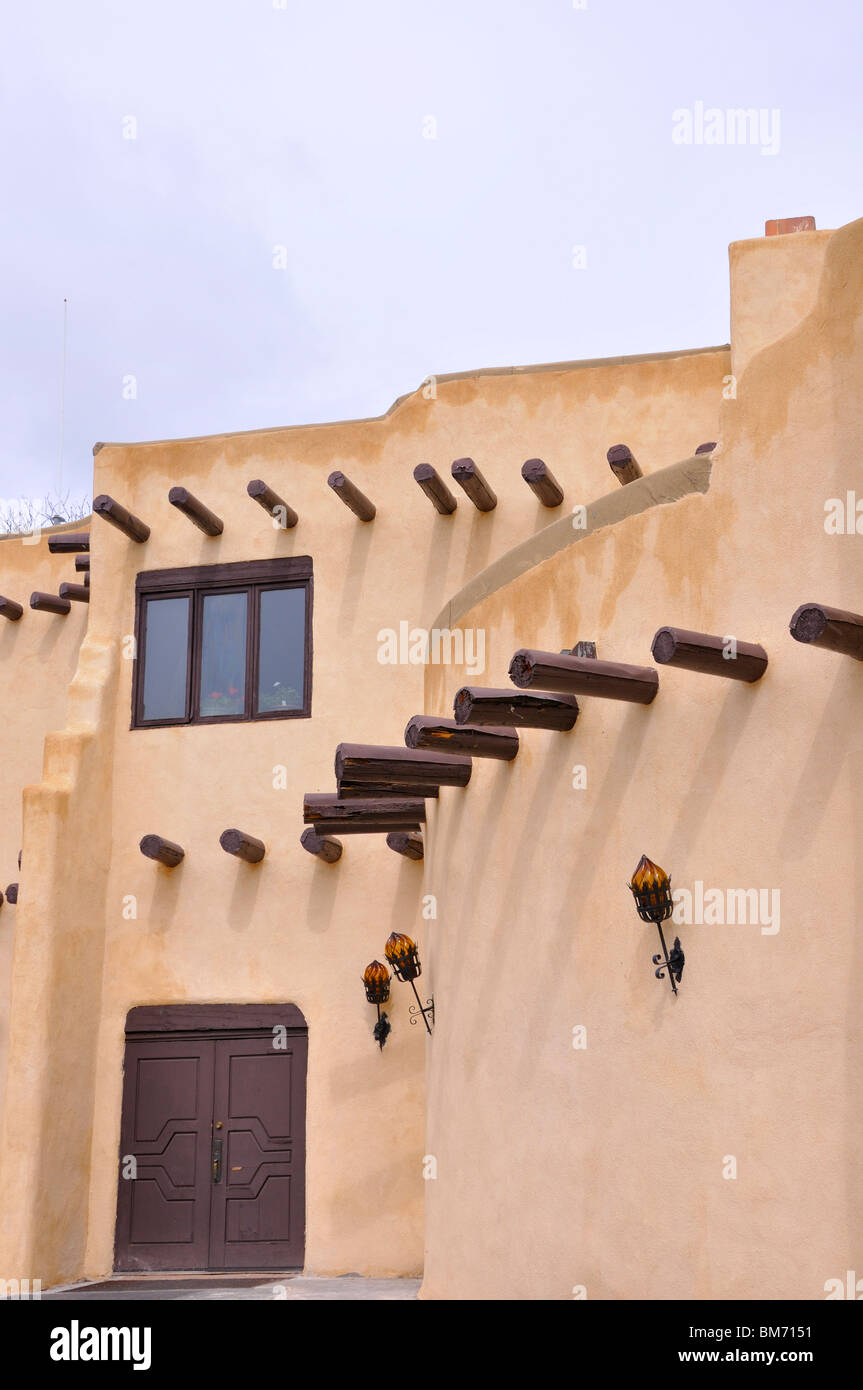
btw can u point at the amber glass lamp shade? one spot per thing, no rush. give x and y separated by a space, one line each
402 955
651 888
376 979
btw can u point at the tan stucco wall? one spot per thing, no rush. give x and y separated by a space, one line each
603 1168
291 930
38 656
774 284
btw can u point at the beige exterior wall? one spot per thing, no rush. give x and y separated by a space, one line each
37 661
774 284
513 882
561 1168
292 930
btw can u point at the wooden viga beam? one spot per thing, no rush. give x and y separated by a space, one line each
324 847
468 477
831 628
49 603
82 562
576 675
406 842
79 593
10 609
623 463
162 850
437 735
542 482
242 846
382 766
348 789
330 815
710 656
272 503
68 542
111 511
350 494
12 893
198 514
477 705
435 489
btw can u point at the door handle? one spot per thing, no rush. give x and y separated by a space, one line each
217 1160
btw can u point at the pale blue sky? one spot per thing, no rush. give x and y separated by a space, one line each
303 127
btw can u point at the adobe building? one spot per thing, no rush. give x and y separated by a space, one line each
189 1075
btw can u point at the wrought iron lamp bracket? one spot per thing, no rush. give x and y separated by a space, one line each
417 1011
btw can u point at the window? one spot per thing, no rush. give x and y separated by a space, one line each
219 643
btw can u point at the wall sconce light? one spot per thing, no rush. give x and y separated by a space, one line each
402 955
376 979
651 888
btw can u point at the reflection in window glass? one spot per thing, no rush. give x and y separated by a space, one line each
223 655
166 658
282 649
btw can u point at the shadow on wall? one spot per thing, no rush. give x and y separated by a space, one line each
589 850
355 575
716 762
460 821
853 1035
824 763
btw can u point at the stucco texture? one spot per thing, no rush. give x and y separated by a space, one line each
292 929
603 1171
38 657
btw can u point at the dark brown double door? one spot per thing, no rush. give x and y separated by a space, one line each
212 1151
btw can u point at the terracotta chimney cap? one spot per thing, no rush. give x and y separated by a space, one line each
782 225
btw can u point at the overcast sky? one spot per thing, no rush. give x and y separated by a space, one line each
265 213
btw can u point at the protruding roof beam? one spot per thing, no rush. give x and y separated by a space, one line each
623 463
542 482
79 593
435 489
468 477
349 789
357 501
49 603
198 514
67 542
162 850
242 846
272 503
437 735
385 766
831 628
573 675
710 656
118 516
329 815
406 842
324 847
478 705
10 609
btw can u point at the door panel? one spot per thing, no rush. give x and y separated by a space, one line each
258 1211
187 1100
163 1211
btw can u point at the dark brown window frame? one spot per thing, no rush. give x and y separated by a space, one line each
196 581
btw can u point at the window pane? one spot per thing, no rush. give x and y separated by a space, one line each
223 655
283 649
166 658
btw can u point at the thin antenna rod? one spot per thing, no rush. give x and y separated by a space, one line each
62 402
